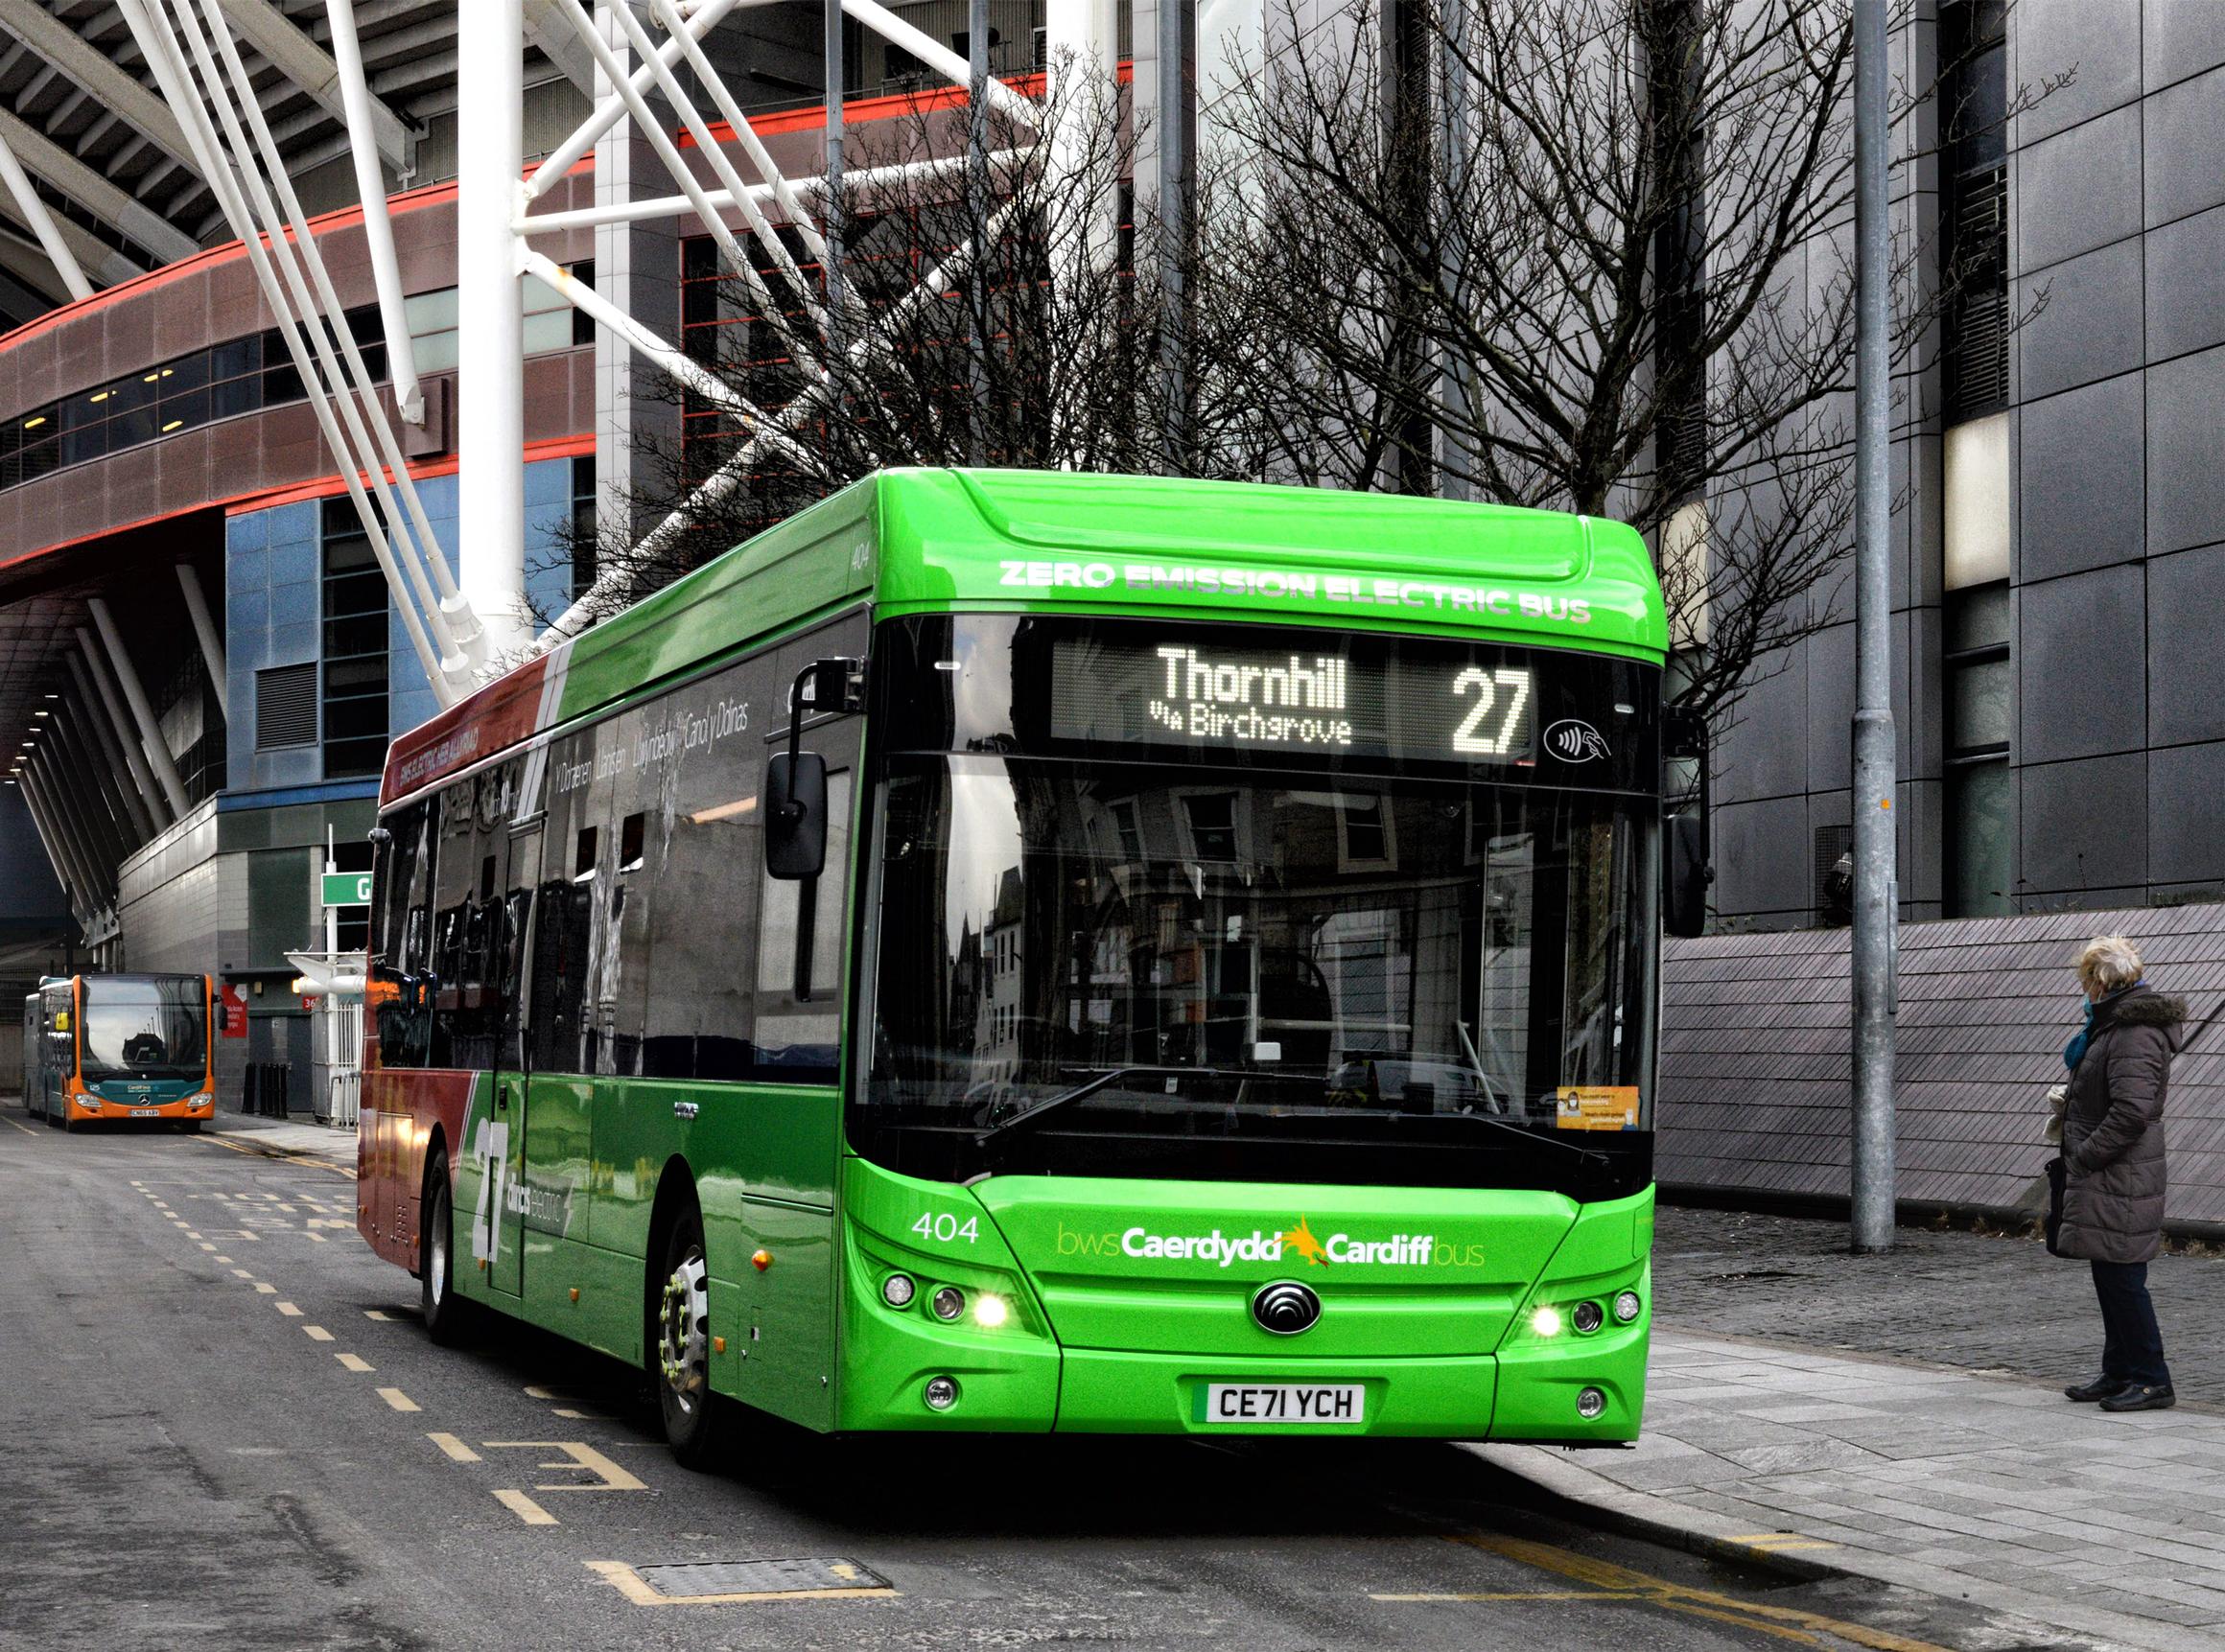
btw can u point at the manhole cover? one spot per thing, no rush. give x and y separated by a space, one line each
697 1579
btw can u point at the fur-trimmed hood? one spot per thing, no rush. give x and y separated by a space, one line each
2145 1007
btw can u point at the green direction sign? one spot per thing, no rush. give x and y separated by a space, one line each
347 888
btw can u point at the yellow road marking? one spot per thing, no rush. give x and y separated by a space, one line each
397 1399
284 1158
525 1508
265 1290
354 1361
455 1449
206 1246
289 1309
318 1237
239 1272
189 1232
1785 1622
375 1314
577 1455
1520 1594
635 1587
582 1417
316 1333
225 1260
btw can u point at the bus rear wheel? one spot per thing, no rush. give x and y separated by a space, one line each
448 1316
679 1354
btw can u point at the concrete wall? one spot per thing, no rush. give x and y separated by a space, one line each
2117 195
1755 1090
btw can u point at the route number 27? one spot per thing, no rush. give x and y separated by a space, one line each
944 1226
1471 737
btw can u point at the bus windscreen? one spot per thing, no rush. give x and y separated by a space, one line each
144 1029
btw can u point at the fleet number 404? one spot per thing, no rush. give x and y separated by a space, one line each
942 1226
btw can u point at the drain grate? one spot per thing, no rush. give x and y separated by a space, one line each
697 1579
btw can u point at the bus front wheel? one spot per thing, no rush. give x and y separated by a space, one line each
679 1355
447 1315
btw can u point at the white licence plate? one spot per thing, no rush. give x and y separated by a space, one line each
1270 1403
146 1112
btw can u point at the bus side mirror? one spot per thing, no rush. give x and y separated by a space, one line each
1686 874
795 795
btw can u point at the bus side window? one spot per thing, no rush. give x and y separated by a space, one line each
402 935
455 880
799 961
698 1019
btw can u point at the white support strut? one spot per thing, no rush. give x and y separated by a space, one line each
611 109
721 483
205 630
672 205
41 224
490 320
105 685
638 338
290 298
160 47
142 712
378 227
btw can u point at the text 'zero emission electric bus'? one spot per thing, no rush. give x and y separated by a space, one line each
119 1047
1187 962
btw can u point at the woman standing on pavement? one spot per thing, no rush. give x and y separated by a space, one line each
2112 1159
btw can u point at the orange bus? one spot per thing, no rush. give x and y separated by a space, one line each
120 1047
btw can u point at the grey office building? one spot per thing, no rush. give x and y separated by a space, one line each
2059 471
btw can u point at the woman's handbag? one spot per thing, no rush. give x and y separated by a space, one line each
2054 1225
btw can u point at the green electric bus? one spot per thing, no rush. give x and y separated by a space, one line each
1023 951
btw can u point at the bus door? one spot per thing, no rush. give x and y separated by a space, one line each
571 872
499 919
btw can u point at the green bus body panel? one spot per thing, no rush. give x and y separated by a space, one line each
1482 1252
1097 1340
575 1194
914 540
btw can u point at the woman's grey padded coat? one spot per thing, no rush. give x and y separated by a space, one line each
2113 1130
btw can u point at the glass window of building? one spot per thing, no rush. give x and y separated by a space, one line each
354 688
1981 813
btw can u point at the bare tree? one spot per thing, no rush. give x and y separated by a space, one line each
1578 254
1581 254
1018 323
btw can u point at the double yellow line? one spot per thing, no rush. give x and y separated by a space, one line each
1605 1580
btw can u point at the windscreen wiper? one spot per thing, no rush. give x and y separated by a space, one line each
1530 1136
1091 1087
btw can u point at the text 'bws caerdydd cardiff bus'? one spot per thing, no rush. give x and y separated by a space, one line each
1207 987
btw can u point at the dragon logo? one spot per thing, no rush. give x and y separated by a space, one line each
1301 1239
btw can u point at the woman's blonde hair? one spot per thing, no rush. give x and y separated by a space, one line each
2110 963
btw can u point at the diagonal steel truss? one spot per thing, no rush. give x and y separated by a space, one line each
467 623
637 69
196 62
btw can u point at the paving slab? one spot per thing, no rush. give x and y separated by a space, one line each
2096 1524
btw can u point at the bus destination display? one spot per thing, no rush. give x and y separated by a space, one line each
1453 707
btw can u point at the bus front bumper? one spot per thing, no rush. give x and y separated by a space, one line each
1531 1390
